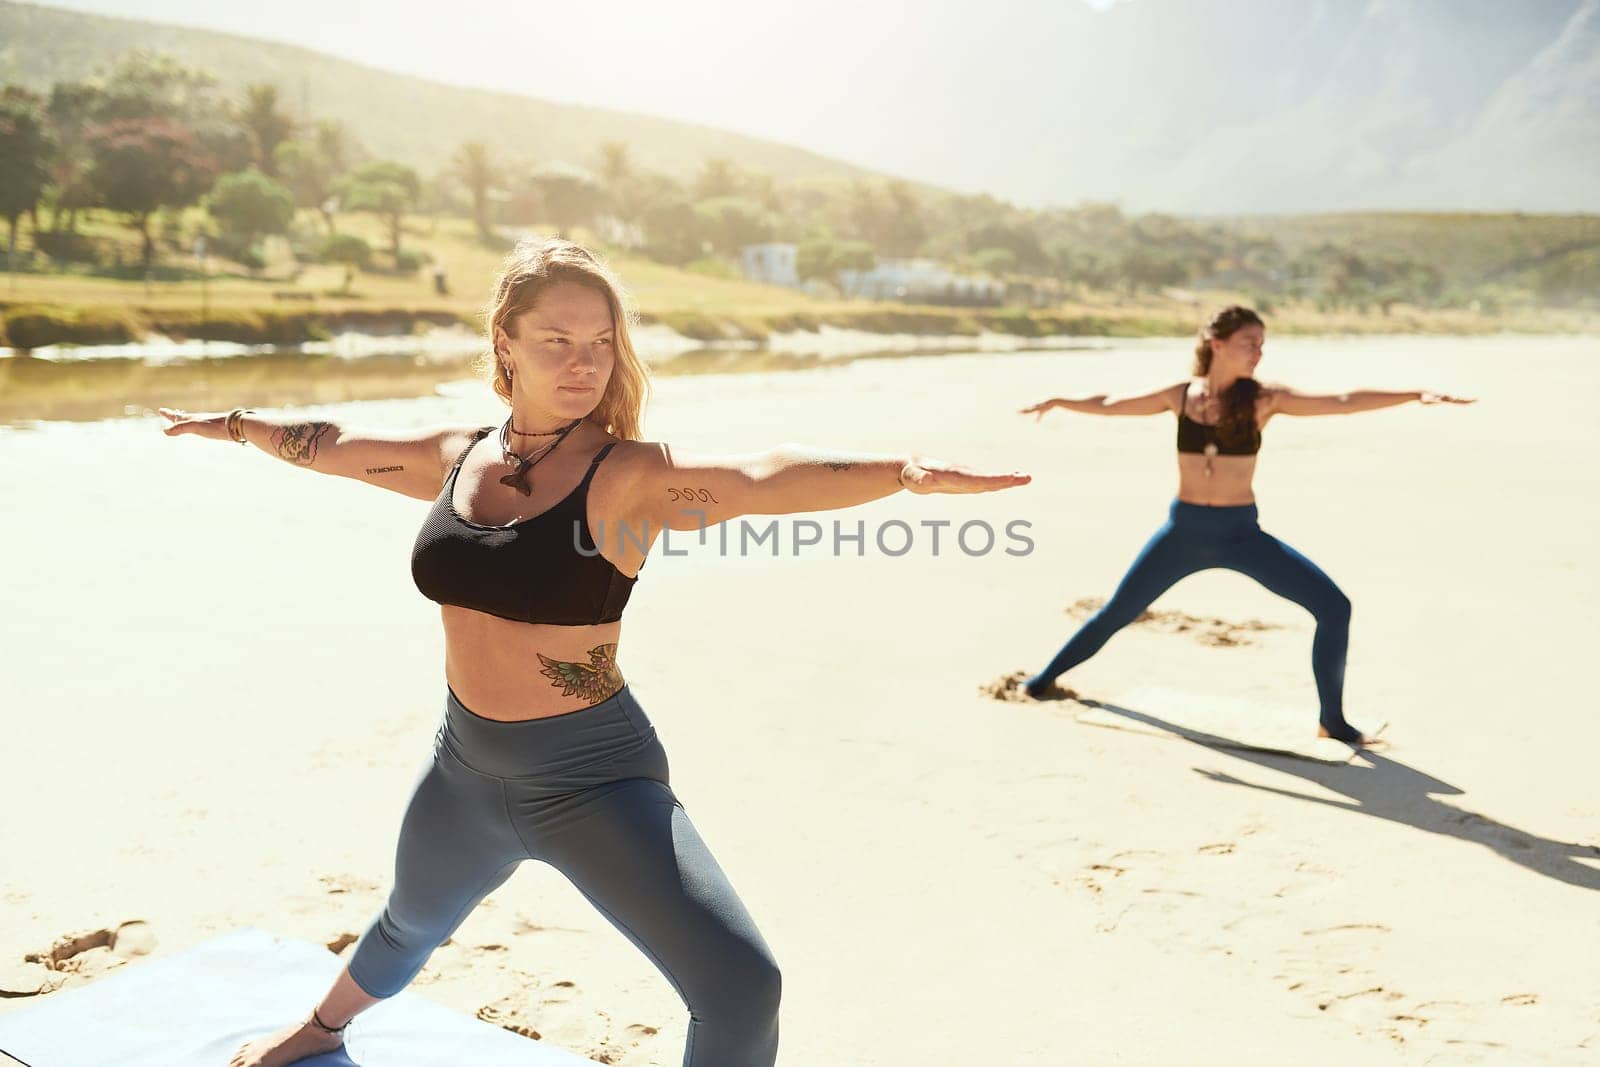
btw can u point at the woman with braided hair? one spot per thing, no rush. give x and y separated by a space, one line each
1213 522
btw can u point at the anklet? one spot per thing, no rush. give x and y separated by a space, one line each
316 1020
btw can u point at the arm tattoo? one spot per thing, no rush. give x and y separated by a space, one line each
383 470
298 443
593 681
689 492
840 466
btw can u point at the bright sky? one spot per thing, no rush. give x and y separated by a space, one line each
854 79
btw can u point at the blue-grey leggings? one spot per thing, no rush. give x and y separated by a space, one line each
1197 538
586 792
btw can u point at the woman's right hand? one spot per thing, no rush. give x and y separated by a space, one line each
204 424
1038 410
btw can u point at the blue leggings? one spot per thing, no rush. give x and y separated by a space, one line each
1197 538
587 793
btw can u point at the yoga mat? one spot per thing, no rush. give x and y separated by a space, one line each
194 1008
1222 722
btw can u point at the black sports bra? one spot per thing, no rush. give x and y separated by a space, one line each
1200 437
529 571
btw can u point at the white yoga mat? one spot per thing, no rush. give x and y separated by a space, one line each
194 1008
1223 722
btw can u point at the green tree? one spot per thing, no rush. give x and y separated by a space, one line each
995 261
824 258
149 85
264 124
1152 268
616 164
70 114
1085 266
718 177
25 151
139 166
903 230
731 222
885 215
1016 236
346 249
672 228
569 196
474 168
385 188
626 194
249 205
312 168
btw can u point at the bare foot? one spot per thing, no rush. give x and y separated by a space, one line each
294 1042
1360 740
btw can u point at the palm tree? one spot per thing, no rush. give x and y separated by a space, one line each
267 126
474 168
718 177
616 165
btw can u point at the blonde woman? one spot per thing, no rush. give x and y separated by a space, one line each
542 751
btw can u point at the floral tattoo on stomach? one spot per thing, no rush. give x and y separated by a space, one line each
592 681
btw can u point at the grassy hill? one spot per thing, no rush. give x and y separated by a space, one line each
1467 249
409 119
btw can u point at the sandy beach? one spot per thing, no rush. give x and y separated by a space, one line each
220 683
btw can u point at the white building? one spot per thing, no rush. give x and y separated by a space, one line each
919 281
772 264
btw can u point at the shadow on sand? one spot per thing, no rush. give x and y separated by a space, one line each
1385 788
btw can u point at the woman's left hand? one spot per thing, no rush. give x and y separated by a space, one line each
937 476
1445 398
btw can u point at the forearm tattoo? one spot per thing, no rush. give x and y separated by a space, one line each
298 443
593 681
840 466
383 470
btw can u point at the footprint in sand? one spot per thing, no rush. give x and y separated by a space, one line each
507 1016
525 925
342 942
29 979
346 883
1521 1000
88 954
1221 848
1221 633
1008 687
73 952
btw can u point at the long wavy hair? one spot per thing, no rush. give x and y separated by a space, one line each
533 266
1236 422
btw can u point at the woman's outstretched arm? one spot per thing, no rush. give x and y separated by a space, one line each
1166 398
1285 401
410 462
684 492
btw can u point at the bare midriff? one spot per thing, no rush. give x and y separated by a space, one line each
1228 484
513 671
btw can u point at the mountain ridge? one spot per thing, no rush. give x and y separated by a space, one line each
1220 108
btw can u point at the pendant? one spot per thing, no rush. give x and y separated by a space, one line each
517 479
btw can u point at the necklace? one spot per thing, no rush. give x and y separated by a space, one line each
518 479
543 433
